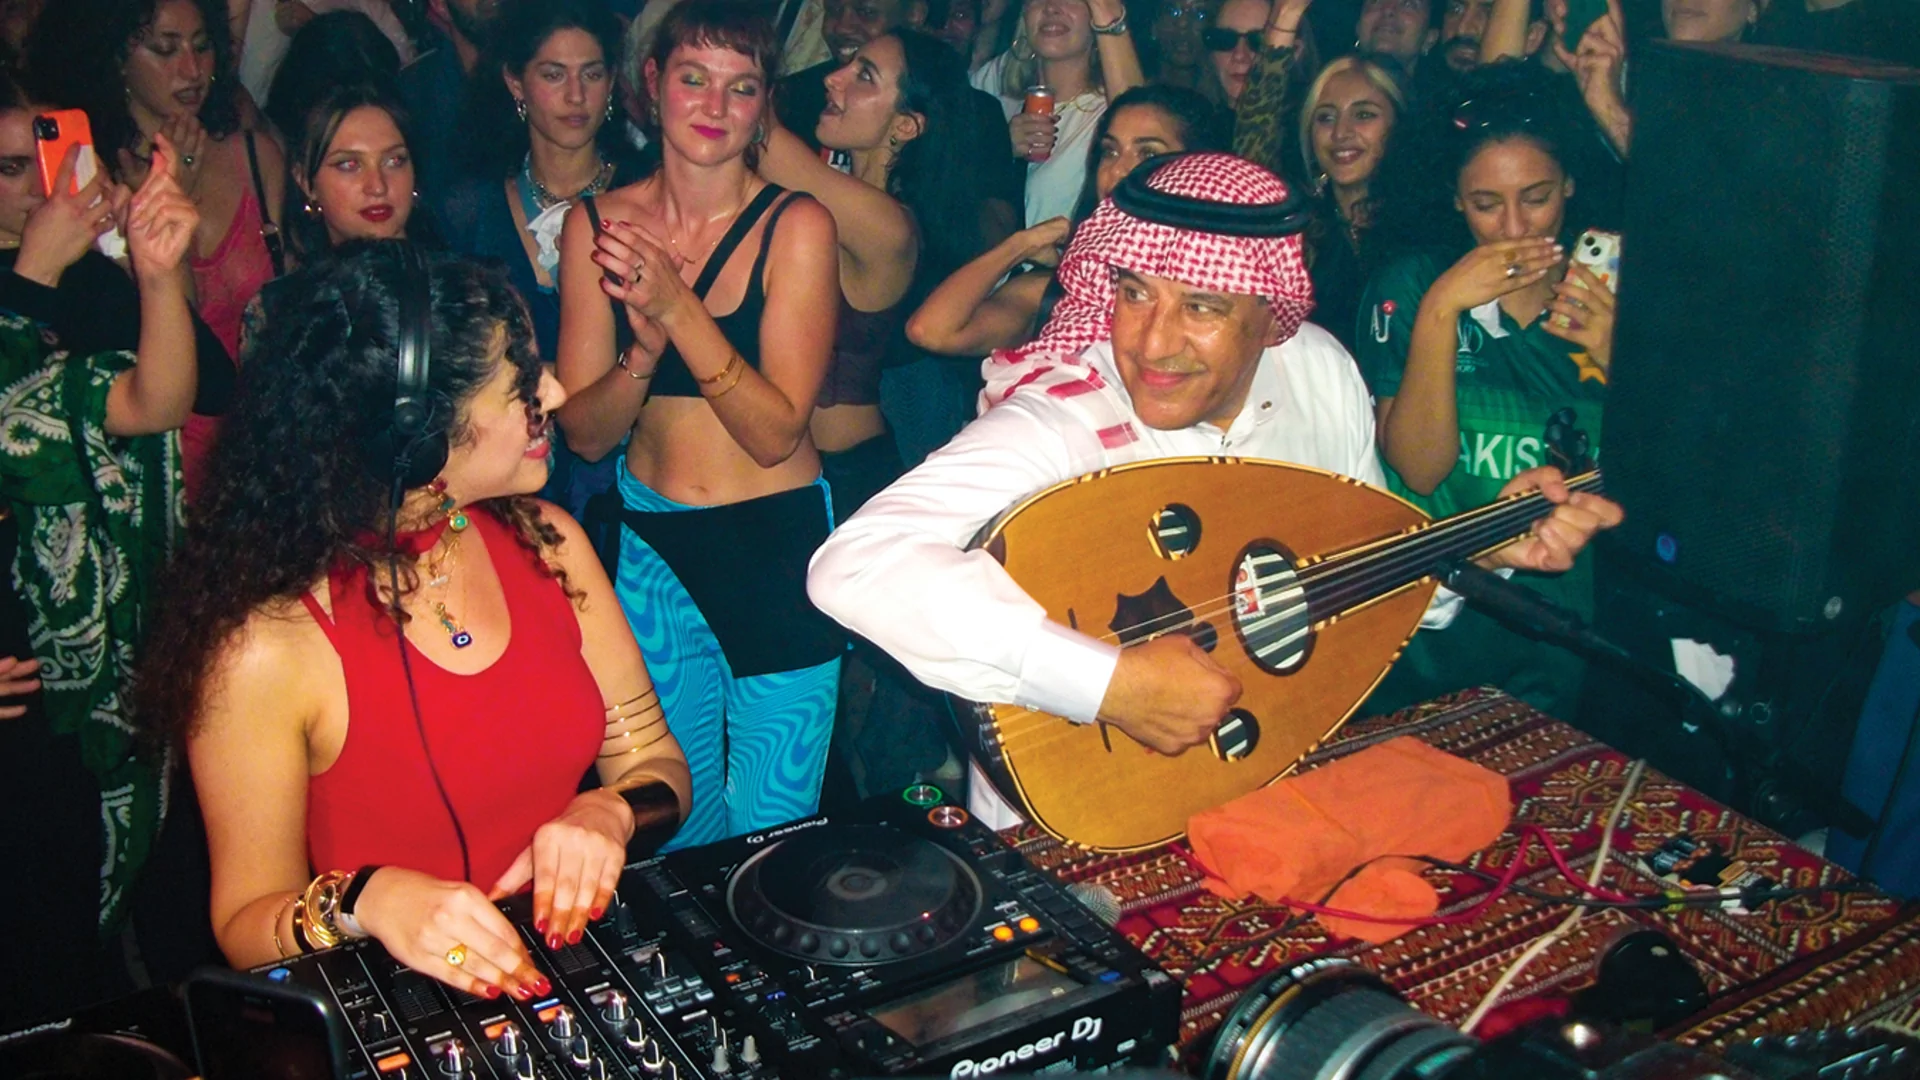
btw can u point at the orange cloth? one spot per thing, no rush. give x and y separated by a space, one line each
1297 839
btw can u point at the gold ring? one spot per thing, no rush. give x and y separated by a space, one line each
457 955
1513 269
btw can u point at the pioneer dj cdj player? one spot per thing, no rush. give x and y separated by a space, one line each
905 939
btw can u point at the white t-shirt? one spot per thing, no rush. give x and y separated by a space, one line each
1053 185
899 573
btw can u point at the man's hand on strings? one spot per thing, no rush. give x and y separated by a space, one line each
1168 694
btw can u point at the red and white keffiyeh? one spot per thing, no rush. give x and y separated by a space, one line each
1270 267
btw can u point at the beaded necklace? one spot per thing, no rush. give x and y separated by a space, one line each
546 200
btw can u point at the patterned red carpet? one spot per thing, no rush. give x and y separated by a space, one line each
1798 964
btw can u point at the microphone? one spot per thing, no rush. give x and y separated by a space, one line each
1523 608
1097 898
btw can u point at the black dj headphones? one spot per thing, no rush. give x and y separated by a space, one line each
410 450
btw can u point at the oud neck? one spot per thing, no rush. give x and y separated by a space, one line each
1350 579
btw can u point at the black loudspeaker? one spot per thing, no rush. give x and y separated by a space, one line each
1762 425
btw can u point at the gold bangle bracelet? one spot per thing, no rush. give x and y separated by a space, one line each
733 365
632 749
725 390
280 913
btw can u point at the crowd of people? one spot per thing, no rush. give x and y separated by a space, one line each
397 390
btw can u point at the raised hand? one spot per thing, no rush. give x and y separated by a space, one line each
161 219
1582 308
59 231
639 272
190 145
1033 135
1493 270
1041 243
1599 67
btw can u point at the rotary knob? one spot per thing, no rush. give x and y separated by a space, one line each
616 1010
750 1051
454 1059
563 1027
633 1034
652 1058
722 1062
580 1052
510 1043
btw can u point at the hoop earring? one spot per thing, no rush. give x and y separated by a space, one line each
520 108
609 106
653 112
311 208
760 133
1030 56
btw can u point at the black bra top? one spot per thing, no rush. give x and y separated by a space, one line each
741 326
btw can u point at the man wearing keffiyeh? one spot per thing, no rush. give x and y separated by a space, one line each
1183 332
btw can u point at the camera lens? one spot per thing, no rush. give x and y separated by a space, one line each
1331 1018
46 128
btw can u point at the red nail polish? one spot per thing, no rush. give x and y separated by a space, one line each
543 986
540 924
573 938
605 224
596 913
553 942
523 992
492 992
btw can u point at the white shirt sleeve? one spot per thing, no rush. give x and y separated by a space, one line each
898 573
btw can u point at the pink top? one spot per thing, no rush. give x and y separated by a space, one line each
225 283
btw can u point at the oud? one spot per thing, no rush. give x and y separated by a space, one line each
1303 583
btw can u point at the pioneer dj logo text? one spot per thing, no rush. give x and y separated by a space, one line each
1085 1029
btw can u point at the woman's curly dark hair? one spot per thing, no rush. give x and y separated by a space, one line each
293 488
1413 193
79 48
496 137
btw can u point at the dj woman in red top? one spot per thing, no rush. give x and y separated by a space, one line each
275 656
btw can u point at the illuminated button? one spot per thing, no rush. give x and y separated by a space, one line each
1003 933
923 795
1029 925
393 1061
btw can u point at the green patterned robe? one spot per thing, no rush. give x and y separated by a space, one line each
97 514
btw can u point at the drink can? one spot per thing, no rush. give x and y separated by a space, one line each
1039 100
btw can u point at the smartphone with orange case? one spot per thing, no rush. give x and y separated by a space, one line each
54 134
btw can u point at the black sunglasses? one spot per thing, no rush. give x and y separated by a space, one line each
1221 39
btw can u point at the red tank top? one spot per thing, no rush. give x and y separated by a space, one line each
511 742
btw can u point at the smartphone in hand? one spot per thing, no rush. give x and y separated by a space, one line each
55 133
1581 14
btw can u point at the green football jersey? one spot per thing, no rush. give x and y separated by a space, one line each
1509 379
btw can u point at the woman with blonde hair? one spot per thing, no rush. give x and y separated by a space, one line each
1080 51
